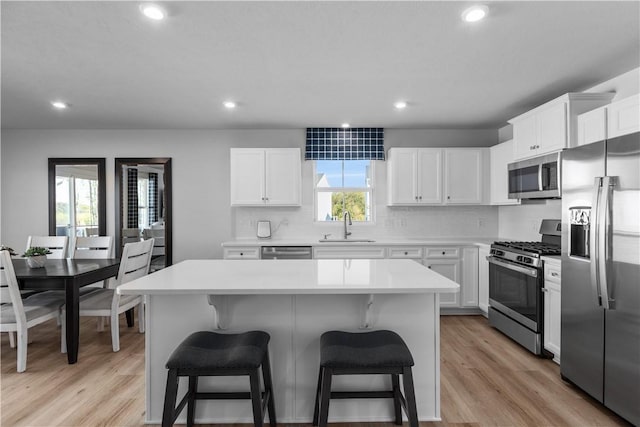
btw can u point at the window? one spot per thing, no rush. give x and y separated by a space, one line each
343 185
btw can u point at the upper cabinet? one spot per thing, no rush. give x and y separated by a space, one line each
616 119
435 176
414 176
500 156
553 126
266 177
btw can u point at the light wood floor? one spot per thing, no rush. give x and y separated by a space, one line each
486 380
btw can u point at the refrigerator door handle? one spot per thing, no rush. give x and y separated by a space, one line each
603 249
594 239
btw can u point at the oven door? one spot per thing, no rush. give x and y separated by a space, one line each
516 291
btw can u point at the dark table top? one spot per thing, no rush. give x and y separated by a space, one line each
62 268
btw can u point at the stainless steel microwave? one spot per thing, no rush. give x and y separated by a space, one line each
537 178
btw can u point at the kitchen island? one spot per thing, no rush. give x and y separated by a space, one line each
295 301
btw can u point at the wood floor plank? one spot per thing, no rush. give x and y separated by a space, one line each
486 380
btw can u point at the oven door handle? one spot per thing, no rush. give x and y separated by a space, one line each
531 272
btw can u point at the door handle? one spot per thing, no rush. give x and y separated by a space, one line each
603 236
594 238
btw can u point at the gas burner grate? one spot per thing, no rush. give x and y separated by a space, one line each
539 248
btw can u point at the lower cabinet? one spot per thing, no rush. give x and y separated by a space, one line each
483 279
449 268
551 291
462 264
459 264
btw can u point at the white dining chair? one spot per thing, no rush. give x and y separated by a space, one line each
134 263
58 245
20 315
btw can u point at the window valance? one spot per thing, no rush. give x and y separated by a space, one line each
345 144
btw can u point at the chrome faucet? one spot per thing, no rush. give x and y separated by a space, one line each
347 233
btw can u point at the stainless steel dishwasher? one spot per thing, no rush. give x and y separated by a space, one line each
286 252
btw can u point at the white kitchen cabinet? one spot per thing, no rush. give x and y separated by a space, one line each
449 268
623 117
409 252
414 176
244 252
553 126
483 279
435 176
500 156
592 126
469 291
616 119
345 252
552 298
265 177
463 175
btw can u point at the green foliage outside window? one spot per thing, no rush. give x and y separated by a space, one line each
353 202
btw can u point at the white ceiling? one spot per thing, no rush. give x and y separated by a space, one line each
304 64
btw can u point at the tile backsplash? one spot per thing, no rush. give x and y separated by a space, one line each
390 222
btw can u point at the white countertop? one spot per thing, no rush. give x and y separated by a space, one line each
254 277
407 241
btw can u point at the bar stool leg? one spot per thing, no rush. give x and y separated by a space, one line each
325 395
316 408
191 402
268 386
397 405
256 398
410 396
170 394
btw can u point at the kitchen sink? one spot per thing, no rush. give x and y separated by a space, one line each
346 241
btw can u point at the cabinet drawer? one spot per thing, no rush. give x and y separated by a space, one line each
250 252
410 253
346 253
552 273
442 253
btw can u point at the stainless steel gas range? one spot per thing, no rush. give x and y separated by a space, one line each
516 281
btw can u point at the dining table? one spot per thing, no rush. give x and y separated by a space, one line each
69 275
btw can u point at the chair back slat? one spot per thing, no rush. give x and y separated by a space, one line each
93 247
8 279
58 245
136 258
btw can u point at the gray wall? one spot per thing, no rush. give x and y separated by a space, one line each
202 218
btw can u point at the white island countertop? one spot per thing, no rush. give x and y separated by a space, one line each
265 277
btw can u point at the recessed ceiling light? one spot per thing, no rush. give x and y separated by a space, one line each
475 13
59 105
152 11
345 125
400 105
229 105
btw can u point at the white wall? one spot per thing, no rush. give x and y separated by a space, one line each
202 218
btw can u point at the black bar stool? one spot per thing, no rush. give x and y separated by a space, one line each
375 352
207 353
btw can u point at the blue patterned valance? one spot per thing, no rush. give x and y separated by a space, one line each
345 144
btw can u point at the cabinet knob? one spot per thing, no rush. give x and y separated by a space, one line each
443 252
241 253
420 197
545 290
406 253
416 197
448 197
428 266
555 274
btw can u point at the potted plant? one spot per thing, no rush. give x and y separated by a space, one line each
36 256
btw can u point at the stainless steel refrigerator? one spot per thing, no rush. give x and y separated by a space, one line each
600 332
